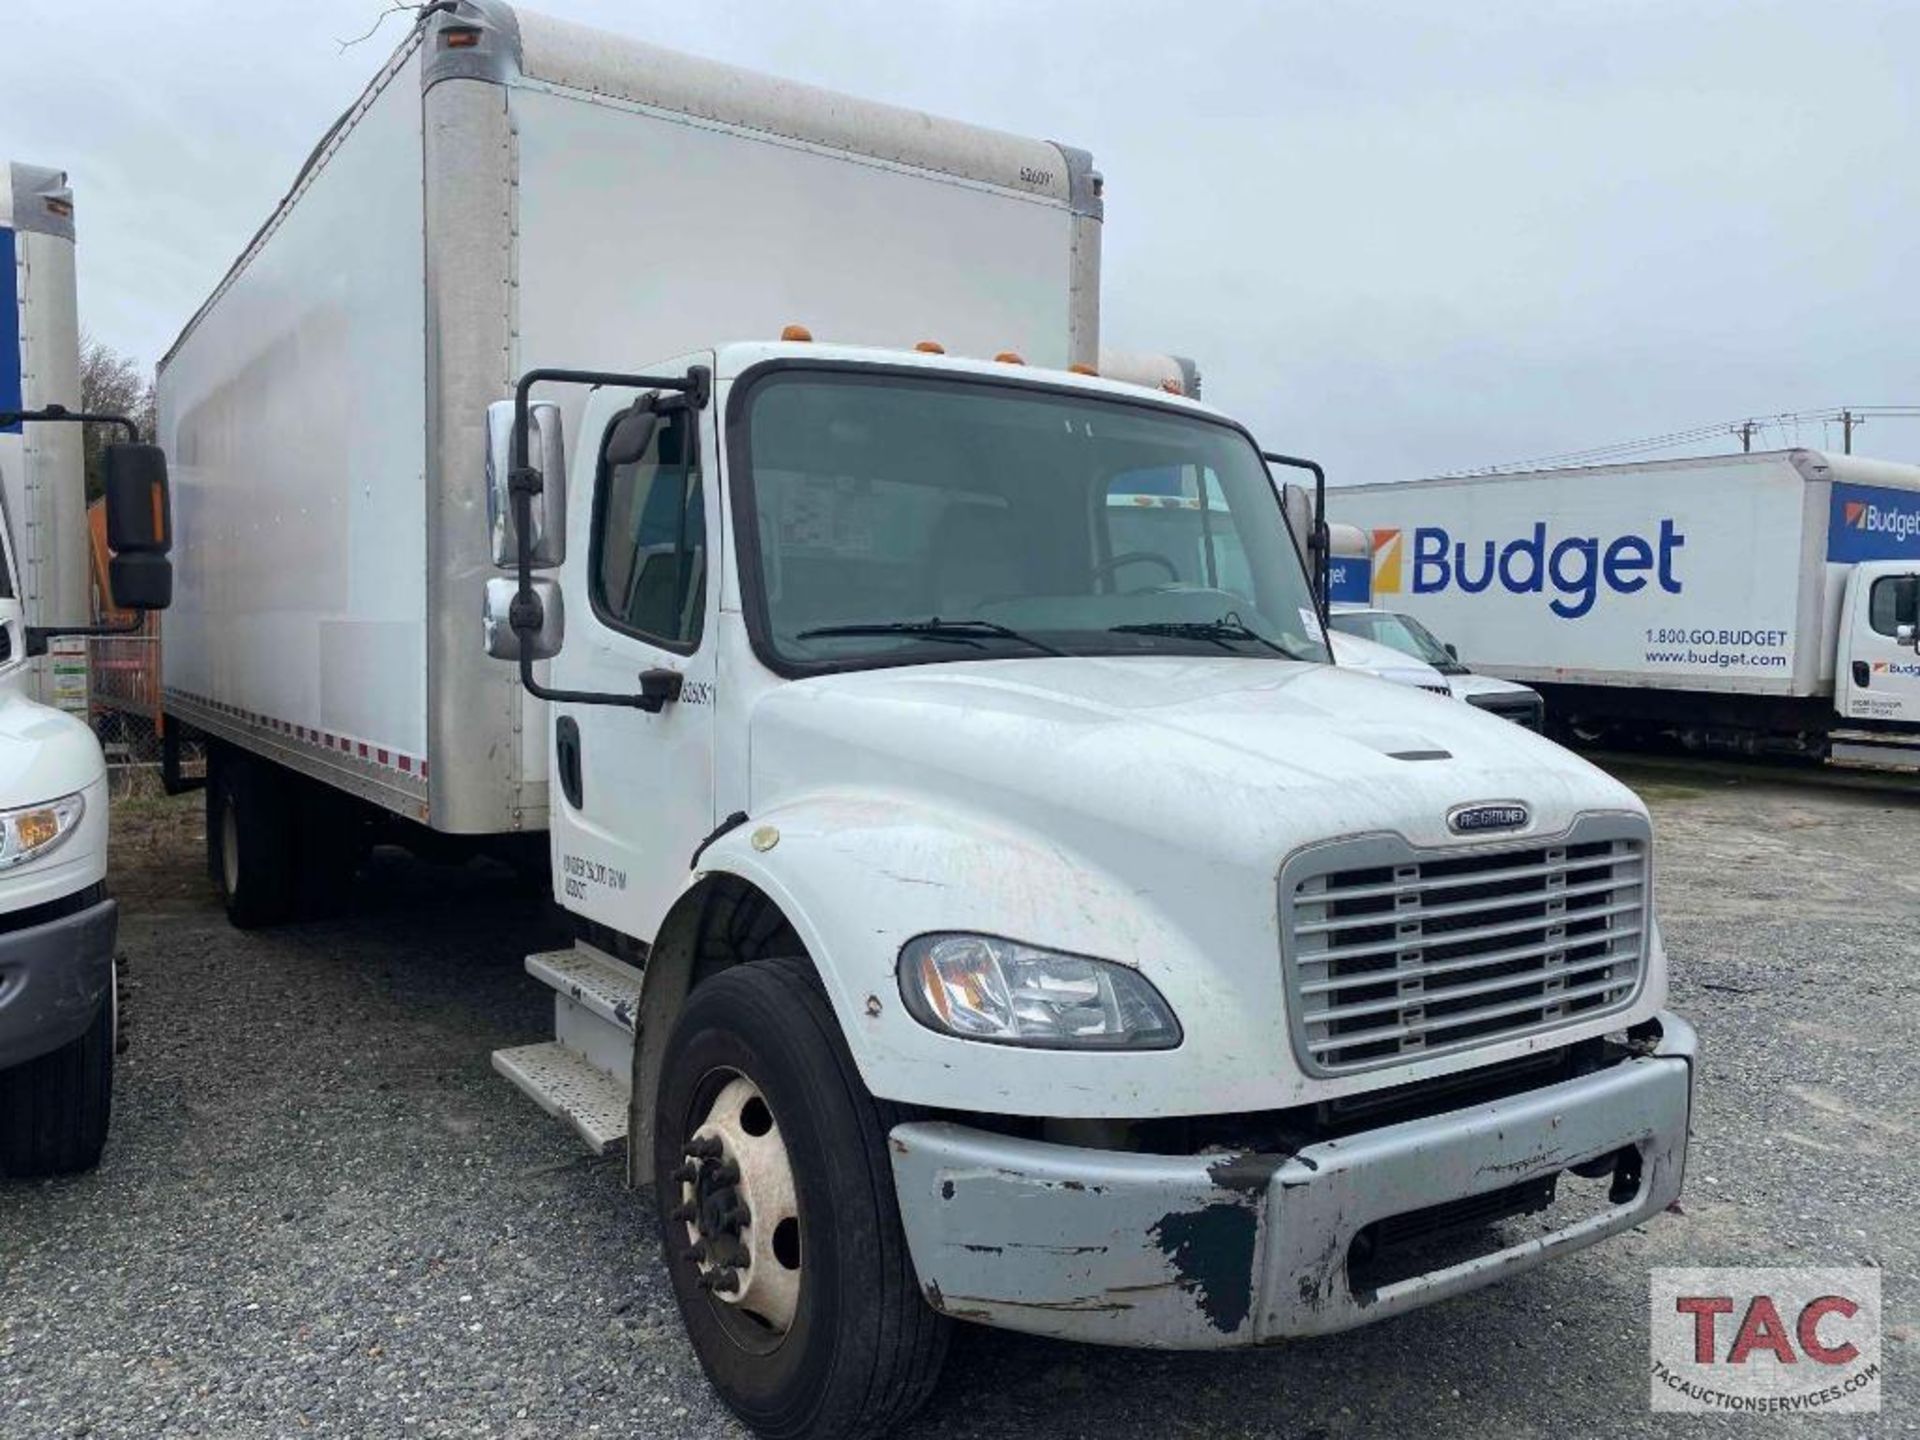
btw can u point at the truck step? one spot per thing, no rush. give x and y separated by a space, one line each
595 1000
1873 750
595 981
569 1087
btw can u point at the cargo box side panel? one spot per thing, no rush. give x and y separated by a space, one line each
644 235
1680 577
486 735
45 494
293 413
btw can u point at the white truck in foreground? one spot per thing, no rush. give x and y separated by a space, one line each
1764 603
975 922
57 923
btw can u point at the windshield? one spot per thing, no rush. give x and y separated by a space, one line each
1025 523
1398 632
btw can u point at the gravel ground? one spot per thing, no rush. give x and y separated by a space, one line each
320 1212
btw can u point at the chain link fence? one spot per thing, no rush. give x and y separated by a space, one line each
123 706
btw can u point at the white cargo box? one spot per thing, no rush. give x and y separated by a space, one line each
1719 574
41 467
512 192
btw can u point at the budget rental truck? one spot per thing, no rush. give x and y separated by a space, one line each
977 919
1765 604
57 923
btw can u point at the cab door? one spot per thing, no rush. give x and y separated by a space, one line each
1879 668
631 792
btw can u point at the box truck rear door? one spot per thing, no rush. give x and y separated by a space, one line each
1879 671
633 790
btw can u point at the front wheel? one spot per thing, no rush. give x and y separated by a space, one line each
778 1220
54 1110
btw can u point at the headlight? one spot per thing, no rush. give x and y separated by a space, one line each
980 987
28 833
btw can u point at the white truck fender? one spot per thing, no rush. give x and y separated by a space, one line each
856 877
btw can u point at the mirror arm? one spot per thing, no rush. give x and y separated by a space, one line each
524 482
39 635
1320 541
60 412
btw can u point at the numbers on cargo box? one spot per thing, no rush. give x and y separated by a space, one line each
1031 176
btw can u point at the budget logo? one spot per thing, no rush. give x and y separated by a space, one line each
1389 563
1572 570
1872 522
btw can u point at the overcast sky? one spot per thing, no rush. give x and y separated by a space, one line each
1402 237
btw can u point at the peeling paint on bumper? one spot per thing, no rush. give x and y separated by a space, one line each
1212 1251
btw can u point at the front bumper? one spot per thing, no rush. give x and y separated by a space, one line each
53 979
1215 1251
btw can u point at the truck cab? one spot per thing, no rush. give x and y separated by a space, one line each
57 1013
1878 663
991 911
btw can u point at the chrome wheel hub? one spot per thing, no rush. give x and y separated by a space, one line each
738 1204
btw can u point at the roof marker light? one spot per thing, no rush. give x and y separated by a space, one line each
463 37
931 347
796 332
1080 367
1007 357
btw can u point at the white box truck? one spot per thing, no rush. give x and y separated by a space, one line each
977 920
57 923
1763 603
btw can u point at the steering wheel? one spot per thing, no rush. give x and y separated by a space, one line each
1134 557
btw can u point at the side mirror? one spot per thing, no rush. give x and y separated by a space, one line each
543 636
547 453
140 582
1298 503
1453 651
139 527
1906 607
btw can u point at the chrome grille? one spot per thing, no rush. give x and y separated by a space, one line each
1393 952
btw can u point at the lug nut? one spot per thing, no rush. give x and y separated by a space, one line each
727 1173
695 1252
687 1174
737 1217
704 1147
682 1212
723 1282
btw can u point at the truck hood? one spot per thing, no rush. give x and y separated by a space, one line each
44 754
1351 652
1469 684
1237 759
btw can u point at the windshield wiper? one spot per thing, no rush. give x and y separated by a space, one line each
1228 627
955 632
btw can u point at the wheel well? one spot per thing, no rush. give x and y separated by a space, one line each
723 921
737 923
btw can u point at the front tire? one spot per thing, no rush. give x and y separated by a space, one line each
757 1079
54 1109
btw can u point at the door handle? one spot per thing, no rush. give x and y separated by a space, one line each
1862 675
566 754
